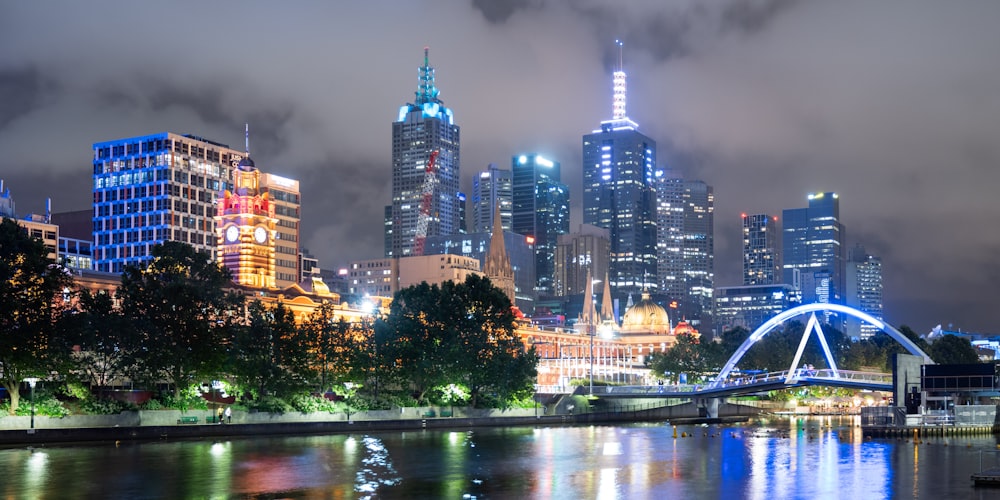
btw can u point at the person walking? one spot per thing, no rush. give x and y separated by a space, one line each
218 419
229 415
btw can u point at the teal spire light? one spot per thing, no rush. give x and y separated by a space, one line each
426 91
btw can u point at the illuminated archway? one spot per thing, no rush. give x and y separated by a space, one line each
813 326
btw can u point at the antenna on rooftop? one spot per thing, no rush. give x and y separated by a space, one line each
621 63
246 137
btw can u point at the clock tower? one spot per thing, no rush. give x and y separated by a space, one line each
245 228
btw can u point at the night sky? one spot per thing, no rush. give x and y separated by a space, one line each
893 105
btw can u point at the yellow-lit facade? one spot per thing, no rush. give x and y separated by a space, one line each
245 227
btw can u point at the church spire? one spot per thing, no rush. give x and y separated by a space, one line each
607 309
496 265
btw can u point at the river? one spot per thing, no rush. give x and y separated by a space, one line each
768 459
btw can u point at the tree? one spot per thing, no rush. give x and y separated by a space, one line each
952 349
684 357
107 350
329 339
181 312
269 354
31 288
458 333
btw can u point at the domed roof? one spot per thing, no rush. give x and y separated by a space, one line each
246 164
685 327
646 316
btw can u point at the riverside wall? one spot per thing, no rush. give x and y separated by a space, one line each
164 424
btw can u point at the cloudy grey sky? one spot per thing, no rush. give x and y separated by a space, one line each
893 105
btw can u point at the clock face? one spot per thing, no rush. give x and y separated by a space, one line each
232 232
260 234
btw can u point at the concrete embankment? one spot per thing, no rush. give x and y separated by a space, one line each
167 424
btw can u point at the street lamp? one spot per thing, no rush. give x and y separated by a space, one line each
32 381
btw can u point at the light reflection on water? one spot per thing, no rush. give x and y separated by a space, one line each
772 459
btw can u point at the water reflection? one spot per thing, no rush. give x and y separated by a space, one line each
770 460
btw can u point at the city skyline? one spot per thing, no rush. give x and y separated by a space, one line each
765 101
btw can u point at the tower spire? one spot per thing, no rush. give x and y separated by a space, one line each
426 91
246 137
620 89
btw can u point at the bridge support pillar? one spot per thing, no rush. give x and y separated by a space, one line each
709 407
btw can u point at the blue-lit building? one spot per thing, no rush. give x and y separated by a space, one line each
477 245
156 188
813 249
540 211
863 275
421 128
618 194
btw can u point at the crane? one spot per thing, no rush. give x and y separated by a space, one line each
430 178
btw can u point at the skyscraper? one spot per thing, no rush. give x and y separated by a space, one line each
698 252
585 250
490 188
812 249
283 194
863 276
761 261
670 234
156 188
540 210
618 193
423 127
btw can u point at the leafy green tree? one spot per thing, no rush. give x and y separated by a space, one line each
107 347
269 355
329 340
458 333
952 349
31 301
179 308
684 357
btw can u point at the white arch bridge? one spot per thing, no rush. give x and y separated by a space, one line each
795 376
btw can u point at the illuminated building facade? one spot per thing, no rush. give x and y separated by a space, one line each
377 277
670 234
156 188
540 211
423 127
436 269
812 249
761 261
283 195
490 188
618 194
245 226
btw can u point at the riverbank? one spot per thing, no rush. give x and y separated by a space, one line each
294 424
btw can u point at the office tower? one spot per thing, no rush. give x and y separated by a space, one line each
156 188
491 187
670 234
863 291
540 210
698 252
422 127
761 261
283 194
812 249
618 193
587 249
463 222
378 277
750 306
246 232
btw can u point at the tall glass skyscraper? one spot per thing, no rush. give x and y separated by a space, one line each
422 127
670 234
698 252
540 210
491 188
156 188
863 275
618 194
813 249
761 261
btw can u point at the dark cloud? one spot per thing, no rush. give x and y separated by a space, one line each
23 90
498 11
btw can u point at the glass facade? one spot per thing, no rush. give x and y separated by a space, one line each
541 211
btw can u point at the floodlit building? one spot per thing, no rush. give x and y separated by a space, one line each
421 128
812 249
156 188
750 306
491 188
863 275
436 269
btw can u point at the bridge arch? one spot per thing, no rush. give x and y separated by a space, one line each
813 325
